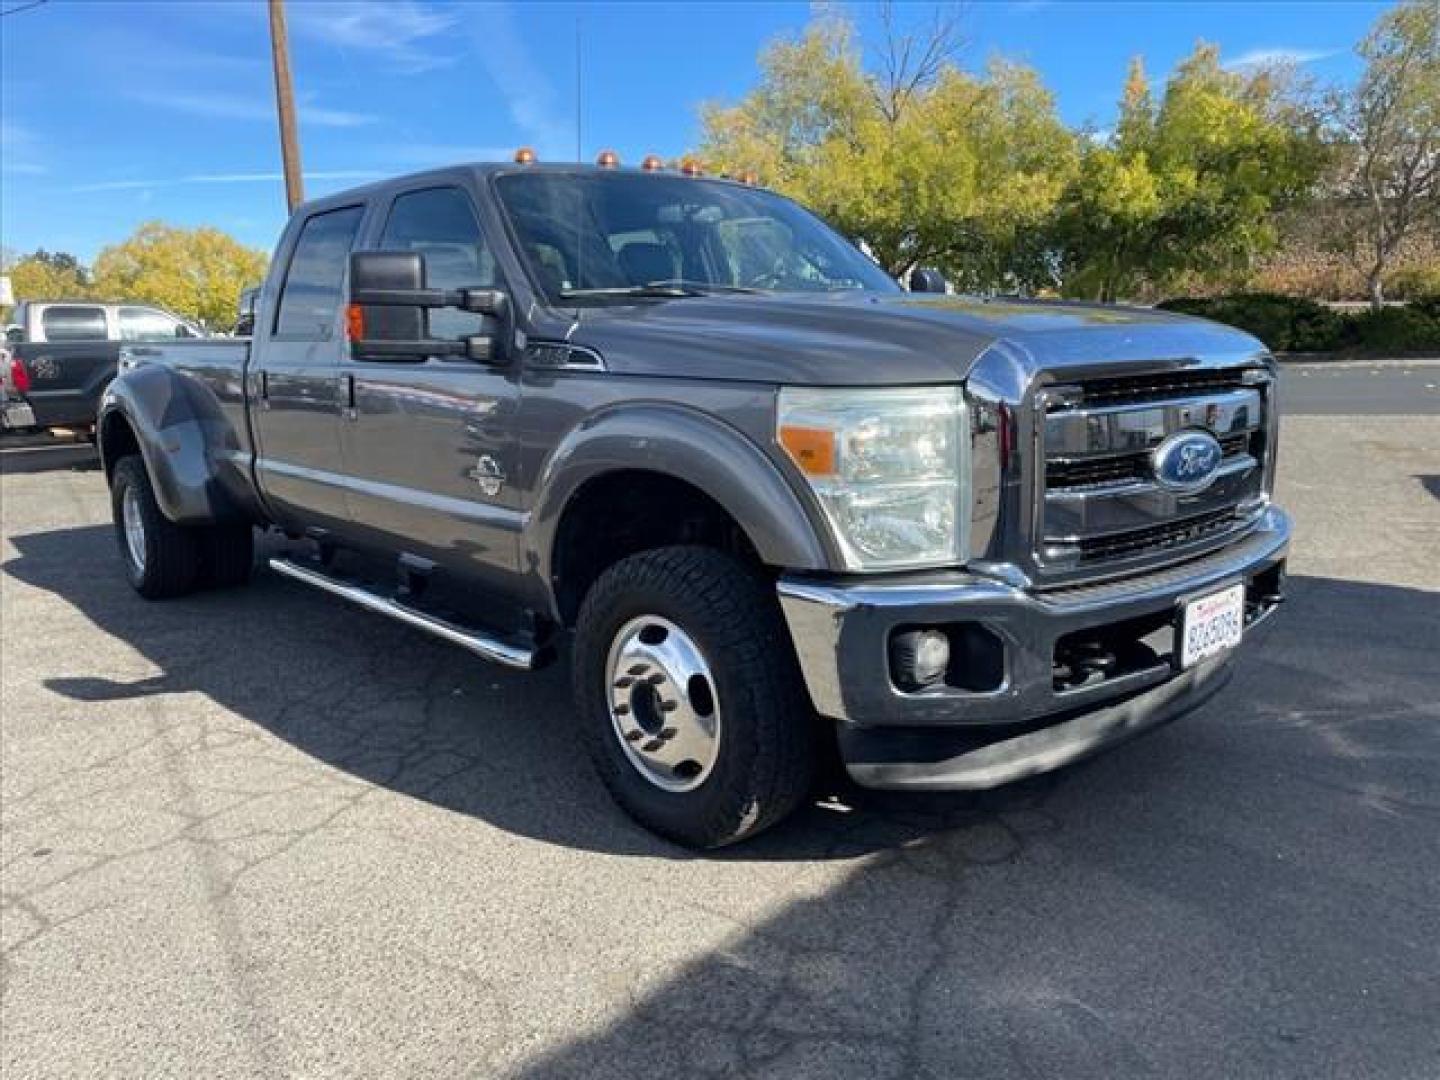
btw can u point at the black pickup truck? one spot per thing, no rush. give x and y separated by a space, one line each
764 495
58 356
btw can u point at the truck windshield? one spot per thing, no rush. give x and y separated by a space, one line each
598 237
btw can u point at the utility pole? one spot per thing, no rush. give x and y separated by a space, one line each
285 106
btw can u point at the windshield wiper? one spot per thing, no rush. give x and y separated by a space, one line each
672 287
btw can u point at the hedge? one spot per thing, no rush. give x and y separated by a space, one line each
1295 324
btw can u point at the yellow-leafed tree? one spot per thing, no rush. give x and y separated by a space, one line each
197 273
48 275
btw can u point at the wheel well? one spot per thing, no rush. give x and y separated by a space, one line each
623 513
117 440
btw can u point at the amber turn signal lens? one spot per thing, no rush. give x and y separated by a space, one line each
525 156
813 449
355 322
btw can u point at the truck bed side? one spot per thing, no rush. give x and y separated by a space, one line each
183 407
66 378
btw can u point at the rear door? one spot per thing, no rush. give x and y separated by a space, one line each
72 364
429 444
295 382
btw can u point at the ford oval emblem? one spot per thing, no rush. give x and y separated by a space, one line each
1187 461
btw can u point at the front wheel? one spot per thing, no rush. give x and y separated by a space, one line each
689 696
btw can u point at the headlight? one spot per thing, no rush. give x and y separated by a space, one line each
889 469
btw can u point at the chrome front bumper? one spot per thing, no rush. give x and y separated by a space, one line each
1025 723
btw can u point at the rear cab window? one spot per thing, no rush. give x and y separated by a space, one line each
310 297
73 322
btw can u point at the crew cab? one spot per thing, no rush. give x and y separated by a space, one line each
763 495
58 356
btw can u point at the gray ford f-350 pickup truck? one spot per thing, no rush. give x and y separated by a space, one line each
767 496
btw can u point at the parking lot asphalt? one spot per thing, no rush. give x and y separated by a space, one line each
1362 388
261 834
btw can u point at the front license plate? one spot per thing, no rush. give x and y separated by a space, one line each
1212 624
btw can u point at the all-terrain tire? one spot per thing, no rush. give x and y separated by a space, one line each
170 562
764 762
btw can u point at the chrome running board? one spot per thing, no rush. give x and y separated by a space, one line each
480 644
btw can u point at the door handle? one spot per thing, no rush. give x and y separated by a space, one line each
264 389
347 390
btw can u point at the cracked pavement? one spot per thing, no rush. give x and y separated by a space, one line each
261 833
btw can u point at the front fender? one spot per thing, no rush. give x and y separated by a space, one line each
688 445
176 439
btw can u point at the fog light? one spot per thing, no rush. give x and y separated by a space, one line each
918 658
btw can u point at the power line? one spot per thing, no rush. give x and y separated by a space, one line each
23 7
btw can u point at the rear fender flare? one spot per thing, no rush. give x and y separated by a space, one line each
175 442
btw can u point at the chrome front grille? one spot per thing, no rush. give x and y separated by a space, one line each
1134 389
1097 473
1156 538
1098 503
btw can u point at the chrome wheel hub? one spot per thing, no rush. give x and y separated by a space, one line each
663 704
134 522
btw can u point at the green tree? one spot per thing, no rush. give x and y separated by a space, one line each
193 272
925 164
1188 187
48 275
1389 160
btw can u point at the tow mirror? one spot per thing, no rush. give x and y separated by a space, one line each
927 280
387 314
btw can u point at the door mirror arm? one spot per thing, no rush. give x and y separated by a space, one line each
388 305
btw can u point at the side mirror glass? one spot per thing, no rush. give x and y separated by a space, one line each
387 314
925 279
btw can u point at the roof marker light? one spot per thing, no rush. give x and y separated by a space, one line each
525 156
608 159
652 163
691 167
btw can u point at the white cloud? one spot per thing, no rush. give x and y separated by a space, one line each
529 95
1280 55
400 34
228 178
433 155
20 150
236 107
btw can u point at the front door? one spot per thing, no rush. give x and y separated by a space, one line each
429 444
297 381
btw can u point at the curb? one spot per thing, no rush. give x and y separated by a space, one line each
1355 359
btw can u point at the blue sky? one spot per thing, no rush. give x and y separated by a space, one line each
113 113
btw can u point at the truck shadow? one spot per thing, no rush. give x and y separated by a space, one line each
393 707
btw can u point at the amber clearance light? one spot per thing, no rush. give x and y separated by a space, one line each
525 156
354 322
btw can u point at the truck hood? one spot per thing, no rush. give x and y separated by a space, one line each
873 339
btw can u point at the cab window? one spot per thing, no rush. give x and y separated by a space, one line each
310 297
73 323
441 224
147 324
